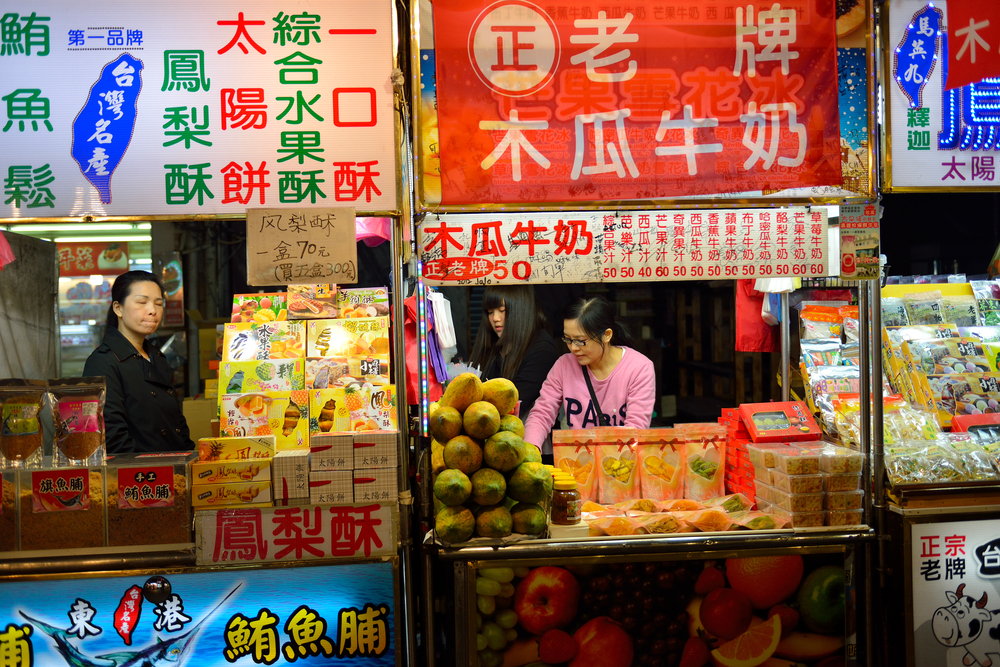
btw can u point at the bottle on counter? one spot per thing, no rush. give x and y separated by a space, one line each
566 502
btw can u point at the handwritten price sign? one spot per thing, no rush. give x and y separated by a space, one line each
626 246
309 245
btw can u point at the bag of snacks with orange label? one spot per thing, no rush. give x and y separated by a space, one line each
661 463
705 462
708 520
78 417
679 505
21 439
574 452
618 479
611 524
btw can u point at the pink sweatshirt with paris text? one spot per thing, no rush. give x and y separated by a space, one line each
626 396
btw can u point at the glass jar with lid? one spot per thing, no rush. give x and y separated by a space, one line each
566 502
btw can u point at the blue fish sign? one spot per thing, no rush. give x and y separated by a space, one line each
103 129
914 58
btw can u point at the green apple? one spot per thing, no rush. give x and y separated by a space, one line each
822 600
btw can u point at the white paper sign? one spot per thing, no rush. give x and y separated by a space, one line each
181 108
956 592
626 246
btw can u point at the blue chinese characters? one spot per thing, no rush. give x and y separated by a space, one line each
916 53
103 129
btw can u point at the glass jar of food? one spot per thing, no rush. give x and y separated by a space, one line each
566 502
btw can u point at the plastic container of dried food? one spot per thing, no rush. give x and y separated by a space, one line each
847 482
61 508
844 517
762 453
845 500
8 510
800 519
797 460
797 483
762 473
149 499
764 491
798 502
762 504
838 460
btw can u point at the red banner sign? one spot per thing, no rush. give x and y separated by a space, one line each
145 487
587 101
86 259
60 490
973 42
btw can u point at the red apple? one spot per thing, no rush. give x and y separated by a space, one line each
546 599
603 643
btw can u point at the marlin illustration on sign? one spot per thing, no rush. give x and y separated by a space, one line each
169 653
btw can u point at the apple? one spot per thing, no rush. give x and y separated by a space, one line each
822 600
546 599
603 643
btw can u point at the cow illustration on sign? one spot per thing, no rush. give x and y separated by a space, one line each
967 623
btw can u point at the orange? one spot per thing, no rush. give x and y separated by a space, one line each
753 647
766 580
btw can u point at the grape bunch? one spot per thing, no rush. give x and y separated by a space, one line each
649 600
495 619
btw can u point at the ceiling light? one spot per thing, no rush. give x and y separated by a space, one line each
73 227
98 239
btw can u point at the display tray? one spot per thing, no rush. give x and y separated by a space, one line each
940 495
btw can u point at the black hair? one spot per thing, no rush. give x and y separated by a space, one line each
123 287
595 316
522 320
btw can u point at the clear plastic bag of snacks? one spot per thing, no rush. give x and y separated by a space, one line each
658 524
900 420
851 324
636 505
987 293
575 452
78 418
922 462
706 466
821 352
21 439
735 502
679 505
976 463
758 520
924 307
819 322
662 457
894 312
960 310
618 478
614 525
707 520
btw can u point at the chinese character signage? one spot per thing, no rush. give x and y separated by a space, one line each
145 487
195 108
943 86
298 532
88 259
859 241
625 246
595 102
305 245
341 614
955 572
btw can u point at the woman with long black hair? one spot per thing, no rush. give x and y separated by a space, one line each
141 413
601 376
512 342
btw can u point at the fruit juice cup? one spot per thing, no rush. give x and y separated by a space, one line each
618 478
575 452
704 470
662 460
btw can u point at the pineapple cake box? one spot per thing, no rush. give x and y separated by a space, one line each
243 377
236 449
331 372
363 302
360 406
285 415
311 302
249 341
358 337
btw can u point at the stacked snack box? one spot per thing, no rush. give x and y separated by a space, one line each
350 468
233 471
739 472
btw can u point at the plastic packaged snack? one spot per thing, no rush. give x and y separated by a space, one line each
834 380
707 520
799 519
894 312
21 439
662 461
575 452
922 462
975 462
636 505
851 324
960 310
762 454
762 473
850 354
735 502
705 467
819 322
617 477
822 352
758 520
765 491
844 500
846 482
657 524
924 307
679 505
987 295
797 461
836 460
78 418
612 525
799 502
844 517
797 483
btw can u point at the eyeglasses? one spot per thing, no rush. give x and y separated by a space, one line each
579 342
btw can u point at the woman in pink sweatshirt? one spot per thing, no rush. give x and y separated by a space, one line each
624 381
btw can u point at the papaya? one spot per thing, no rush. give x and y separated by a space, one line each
462 392
445 423
463 453
504 451
481 420
512 424
502 393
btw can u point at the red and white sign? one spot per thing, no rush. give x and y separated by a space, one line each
289 534
594 102
145 487
973 42
60 490
625 246
87 259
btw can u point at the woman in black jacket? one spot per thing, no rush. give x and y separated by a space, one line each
512 341
141 413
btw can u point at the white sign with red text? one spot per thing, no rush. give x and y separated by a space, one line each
625 246
289 534
859 241
955 569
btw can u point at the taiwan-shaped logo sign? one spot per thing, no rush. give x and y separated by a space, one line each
103 129
914 58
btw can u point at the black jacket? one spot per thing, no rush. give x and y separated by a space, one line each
535 367
141 413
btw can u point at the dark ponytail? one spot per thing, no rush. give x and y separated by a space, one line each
595 316
123 287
